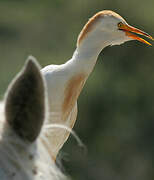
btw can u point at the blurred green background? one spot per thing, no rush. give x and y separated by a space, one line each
116 106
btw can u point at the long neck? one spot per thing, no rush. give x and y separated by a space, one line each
86 54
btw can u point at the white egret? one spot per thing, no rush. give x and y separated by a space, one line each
65 81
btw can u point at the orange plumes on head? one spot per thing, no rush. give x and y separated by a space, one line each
92 22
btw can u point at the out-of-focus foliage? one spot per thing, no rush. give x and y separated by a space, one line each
116 107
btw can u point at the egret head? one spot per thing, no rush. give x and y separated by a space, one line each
109 28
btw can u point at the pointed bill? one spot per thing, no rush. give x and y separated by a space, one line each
132 33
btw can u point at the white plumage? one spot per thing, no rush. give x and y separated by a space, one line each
65 82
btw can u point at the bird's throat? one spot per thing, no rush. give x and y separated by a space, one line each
85 56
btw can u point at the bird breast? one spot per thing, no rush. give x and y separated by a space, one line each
72 90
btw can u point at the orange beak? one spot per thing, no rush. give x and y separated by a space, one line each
131 32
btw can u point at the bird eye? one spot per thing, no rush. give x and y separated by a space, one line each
120 25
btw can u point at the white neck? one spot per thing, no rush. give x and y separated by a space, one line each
86 54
